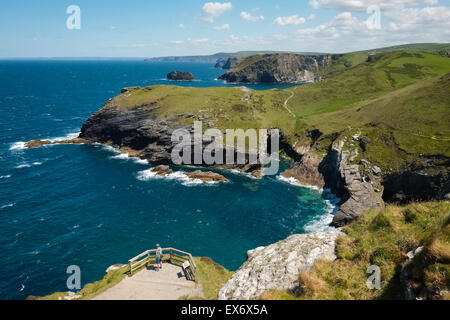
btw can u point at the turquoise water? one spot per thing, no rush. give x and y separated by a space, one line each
88 206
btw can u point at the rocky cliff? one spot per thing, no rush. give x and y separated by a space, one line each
277 266
229 63
283 68
177 75
335 172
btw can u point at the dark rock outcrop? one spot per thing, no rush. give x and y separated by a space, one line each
162 170
140 132
227 64
180 76
416 184
282 68
344 179
206 176
136 128
306 172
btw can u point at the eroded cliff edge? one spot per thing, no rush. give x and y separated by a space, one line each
280 67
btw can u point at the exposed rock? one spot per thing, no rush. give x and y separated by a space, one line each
306 172
206 176
277 266
40 143
280 67
229 63
125 90
360 195
376 170
37 143
162 170
136 129
334 172
180 76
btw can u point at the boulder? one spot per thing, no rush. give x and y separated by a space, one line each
162 170
278 265
206 176
180 76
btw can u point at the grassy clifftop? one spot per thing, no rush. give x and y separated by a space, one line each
398 100
383 238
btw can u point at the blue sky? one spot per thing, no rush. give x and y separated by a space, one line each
148 28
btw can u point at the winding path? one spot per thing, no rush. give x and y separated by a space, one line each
286 102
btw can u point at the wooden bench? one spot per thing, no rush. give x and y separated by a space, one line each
187 270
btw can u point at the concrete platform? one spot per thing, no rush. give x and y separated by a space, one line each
150 284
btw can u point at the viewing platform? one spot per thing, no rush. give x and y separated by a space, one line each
175 280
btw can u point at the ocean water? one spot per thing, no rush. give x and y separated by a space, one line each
92 207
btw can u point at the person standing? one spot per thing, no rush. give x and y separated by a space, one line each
158 257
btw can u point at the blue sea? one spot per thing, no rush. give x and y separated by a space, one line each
92 207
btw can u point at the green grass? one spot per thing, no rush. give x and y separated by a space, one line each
423 47
93 289
382 238
399 101
212 277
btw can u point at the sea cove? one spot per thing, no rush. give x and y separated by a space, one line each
91 206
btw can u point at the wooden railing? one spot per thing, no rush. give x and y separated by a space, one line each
176 257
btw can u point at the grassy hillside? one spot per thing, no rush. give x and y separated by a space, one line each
383 238
398 101
423 47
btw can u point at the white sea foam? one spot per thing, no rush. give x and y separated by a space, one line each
148 175
8 206
297 183
121 156
69 136
20 145
28 165
5 177
248 175
321 222
24 165
126 156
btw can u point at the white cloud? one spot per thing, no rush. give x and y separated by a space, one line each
433 19
249 17
176 42
311 17
212 10
222 27
362 5
345 32
181 26
290 20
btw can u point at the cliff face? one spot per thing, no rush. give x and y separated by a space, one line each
358 194
283 68
229 63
